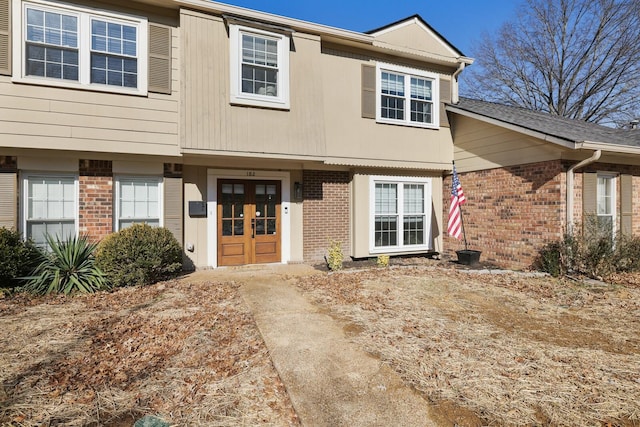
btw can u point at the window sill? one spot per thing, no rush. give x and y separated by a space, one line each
70 85
400 250
277 104
407 124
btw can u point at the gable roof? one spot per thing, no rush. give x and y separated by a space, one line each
547 126
416 18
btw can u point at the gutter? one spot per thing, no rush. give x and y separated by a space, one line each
455 98
594 158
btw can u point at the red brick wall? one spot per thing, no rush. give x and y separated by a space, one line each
325 212
96 198
510 212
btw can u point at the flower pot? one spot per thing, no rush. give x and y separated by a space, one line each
468 257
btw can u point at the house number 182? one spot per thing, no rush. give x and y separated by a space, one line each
251 173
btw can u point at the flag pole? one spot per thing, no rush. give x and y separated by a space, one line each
464 233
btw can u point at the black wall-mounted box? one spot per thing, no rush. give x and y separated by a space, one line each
197 208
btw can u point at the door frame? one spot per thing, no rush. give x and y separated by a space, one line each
213 175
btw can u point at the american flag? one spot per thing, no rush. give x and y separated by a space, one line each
454 227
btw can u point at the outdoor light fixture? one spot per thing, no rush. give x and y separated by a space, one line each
297 191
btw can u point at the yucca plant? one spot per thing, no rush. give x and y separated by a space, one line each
69 267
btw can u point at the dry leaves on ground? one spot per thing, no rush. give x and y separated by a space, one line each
502 349
188 352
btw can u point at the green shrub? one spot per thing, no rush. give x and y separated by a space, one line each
334 258
139 255
17 257
69 267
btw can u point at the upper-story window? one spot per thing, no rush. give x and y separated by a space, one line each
406 96
70 46
259 67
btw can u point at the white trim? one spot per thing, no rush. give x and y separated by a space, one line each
139 178
213 175
84 14
408 73
24 197
400 247
235 48
613 184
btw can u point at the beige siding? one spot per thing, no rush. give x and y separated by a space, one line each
481 146
36 116
85 121
195 229
212 123
415 36
351 136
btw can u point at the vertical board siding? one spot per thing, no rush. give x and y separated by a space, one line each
5 37
210 122
445 97
173 206
368 91
8 200
160 50
626 204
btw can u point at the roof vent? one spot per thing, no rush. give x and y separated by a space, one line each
633 124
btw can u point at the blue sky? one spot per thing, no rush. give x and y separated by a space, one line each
461 22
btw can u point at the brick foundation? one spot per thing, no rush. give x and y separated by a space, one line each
510 212
96 198
326 212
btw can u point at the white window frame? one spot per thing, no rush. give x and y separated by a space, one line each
235 47
141 178
611 176
24 202
85 15
408 73
400 181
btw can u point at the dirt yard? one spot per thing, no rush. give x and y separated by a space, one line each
187 352
505 350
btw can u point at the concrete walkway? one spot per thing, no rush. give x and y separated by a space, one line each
330 381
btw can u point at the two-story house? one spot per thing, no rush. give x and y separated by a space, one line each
254 138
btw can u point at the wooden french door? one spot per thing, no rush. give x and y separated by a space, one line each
249 230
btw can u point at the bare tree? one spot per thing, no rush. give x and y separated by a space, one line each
574 58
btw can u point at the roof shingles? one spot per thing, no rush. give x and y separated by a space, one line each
559 127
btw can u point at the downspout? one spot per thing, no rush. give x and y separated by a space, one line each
454 80
594 158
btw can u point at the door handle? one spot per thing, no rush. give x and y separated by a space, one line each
253 228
